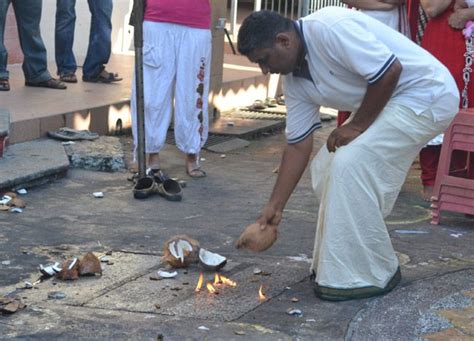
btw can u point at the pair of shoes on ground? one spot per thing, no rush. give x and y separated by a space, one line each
334 294
157 182
69 134
51 83
103 77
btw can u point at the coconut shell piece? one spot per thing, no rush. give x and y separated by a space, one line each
181 251
257 240
70 270
17 202
89 265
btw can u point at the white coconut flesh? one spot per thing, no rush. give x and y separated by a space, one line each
211 258
166 274
177 248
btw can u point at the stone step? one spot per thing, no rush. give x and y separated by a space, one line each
32 163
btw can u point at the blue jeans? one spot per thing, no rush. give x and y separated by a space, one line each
98 52
28 16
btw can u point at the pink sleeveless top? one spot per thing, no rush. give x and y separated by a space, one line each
193 13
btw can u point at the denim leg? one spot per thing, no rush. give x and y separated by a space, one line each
28 16
64 36
3 51
98 52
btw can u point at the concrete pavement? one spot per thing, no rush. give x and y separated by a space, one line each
62 220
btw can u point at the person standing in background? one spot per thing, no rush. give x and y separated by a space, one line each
99 50
177 45
35 62
444 39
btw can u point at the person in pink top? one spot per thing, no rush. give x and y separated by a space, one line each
176 68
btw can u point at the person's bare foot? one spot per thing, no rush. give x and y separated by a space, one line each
154 161
427 193
193 169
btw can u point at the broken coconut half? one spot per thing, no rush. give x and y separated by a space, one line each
180 251
210 260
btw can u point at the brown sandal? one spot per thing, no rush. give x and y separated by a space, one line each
51 83
4 84
68 78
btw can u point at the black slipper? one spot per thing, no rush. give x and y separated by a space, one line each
103 77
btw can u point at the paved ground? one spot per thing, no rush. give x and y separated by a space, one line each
63 219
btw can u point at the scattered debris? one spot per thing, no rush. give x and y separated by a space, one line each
456 235
223 156
255 239
166 274
50 270
230 124
411 232
104 259
239 332
12 203
155 278
67 143
261 294
276 170
176 288
295 299
10 305
98 195
203 328
22 191
56 295
294 312
202 159
310 320
257 271
157 306
210 260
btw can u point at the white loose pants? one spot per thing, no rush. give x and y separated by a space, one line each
357 187
176 69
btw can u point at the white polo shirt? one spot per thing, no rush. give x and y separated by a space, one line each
347 51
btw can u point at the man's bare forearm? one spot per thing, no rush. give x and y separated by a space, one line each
293 163
376 97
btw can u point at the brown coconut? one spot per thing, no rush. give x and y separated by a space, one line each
189 256
89 265
257 240
66 273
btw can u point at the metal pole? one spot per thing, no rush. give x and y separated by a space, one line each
138 12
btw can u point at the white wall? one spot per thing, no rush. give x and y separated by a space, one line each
122 33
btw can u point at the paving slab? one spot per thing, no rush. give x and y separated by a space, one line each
126 268
228 146
178 299
103 154
28 162
243 128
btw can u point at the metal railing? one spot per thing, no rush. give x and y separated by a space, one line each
292 9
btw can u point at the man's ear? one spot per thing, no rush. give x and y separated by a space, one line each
283 38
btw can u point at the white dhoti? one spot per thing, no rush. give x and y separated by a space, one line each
176 70
357 187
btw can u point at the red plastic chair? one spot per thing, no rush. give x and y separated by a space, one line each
452 193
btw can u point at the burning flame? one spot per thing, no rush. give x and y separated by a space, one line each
210 288
228 281
199 284
261 294
217 279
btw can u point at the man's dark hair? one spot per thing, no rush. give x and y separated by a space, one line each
260 29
